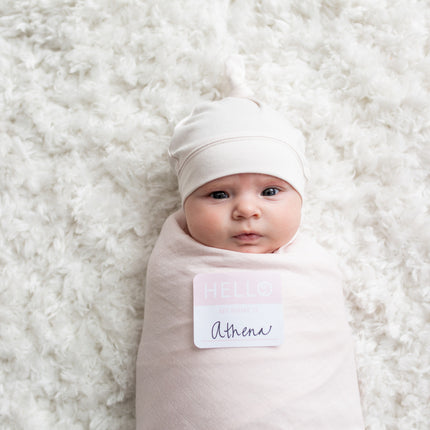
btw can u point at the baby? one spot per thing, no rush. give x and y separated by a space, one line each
244 323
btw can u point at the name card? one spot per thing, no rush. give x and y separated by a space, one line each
238 309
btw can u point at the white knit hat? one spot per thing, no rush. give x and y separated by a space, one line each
236 135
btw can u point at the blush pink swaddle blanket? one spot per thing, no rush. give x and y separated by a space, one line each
309 382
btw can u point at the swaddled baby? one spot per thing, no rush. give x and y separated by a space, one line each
244 324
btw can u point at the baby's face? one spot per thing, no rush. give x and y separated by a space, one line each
248 212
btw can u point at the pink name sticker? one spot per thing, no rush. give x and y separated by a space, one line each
238 309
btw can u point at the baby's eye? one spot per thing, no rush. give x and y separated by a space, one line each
270 192
219 195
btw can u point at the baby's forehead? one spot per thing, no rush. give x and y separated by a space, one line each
246 179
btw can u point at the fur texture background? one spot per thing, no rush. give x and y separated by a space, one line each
90 91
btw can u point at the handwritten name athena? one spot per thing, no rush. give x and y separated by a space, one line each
230 331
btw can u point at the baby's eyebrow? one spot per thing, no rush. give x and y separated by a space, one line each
219 185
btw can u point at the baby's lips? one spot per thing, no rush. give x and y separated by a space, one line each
247 236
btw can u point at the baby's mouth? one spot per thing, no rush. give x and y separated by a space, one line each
247 237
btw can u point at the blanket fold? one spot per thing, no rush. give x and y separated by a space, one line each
307 383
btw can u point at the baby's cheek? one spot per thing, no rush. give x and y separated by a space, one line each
211 218
212 223
204 226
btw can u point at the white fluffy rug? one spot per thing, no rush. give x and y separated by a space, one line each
89 93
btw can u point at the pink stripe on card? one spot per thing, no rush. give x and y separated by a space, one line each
238 287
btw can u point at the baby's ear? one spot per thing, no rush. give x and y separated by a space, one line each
235 77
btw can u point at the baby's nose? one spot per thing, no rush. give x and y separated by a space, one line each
246 207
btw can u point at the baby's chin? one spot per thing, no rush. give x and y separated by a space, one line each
256 248
247 249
